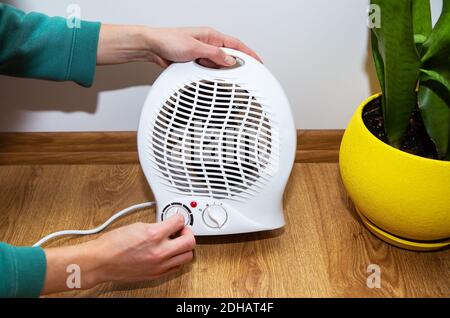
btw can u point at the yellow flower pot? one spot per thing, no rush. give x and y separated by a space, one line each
401 198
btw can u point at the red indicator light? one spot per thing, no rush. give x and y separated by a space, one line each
193 204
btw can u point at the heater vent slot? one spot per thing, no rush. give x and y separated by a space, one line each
213 138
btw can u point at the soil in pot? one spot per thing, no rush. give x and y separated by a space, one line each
416 142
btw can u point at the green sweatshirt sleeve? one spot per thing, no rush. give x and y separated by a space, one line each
37 46
22 271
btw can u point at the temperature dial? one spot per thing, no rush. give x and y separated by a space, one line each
177 208
215 216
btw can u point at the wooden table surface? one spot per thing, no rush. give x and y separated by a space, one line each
323 251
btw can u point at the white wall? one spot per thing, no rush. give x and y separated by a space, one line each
317 49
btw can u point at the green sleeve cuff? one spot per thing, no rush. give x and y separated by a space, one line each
22 271
84 53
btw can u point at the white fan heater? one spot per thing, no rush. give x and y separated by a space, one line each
218 145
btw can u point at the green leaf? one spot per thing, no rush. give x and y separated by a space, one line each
396 47
441 75
436 49
434 94
436 61
379 67
421 21
434 99
378 61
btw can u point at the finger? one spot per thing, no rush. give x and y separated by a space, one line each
172 225
216 38
215 54
234 43
178 260
187 231
181 244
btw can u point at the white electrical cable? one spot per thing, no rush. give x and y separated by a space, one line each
119 214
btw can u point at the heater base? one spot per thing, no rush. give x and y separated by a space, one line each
401 242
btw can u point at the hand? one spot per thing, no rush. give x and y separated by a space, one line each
132 253
122 44
145 251
187 44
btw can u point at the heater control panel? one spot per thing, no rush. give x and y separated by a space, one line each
209 216
178 208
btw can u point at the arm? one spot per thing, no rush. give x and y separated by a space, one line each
132 253
37 46
123 44
34 45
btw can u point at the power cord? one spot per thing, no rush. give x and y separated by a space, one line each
100 228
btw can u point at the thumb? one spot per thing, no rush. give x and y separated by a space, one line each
172 225
216 55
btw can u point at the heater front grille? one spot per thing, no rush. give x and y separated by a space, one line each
213 138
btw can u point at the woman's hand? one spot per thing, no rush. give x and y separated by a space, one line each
144 251
131 253
122 44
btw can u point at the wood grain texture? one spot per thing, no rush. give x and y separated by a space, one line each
68 148
318 145
323 251
121 148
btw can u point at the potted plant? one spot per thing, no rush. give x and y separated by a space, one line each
394 156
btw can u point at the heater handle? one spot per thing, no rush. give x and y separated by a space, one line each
241 59
240 55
